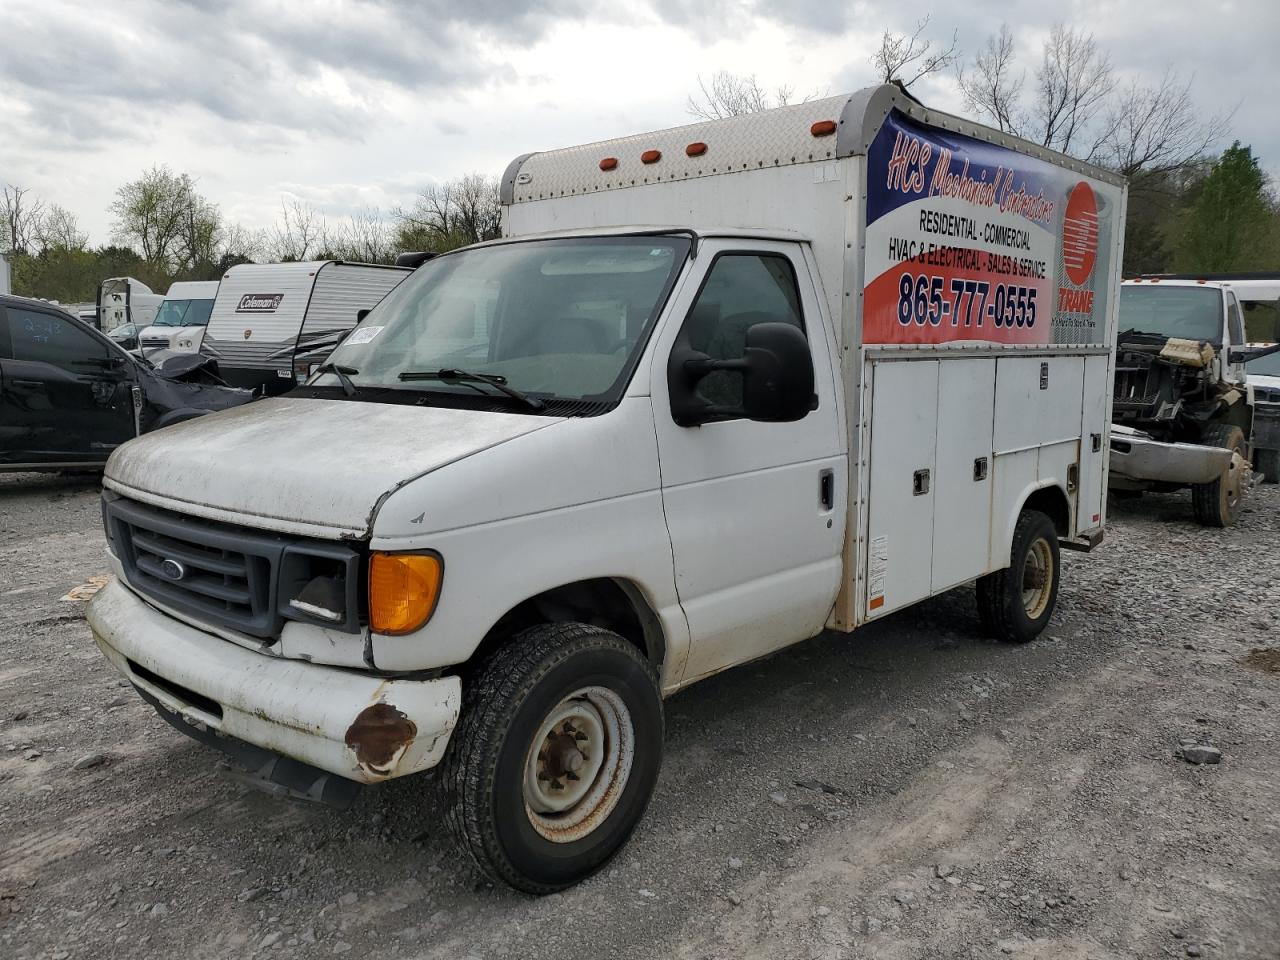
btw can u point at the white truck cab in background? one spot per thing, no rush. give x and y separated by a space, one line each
181 316
716 389
1189 410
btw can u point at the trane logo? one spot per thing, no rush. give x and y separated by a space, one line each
259 302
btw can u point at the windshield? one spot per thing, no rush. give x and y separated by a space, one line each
183 313
1268 366
1191 313
563 319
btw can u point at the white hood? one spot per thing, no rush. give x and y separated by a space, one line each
315 467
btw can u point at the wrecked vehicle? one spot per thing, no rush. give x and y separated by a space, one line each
1182 406
552 479
70 395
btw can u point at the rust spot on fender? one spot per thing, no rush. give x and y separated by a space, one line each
379 736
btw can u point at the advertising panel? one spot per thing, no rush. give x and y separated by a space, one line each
967 240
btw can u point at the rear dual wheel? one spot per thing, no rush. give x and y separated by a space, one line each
555 756
1017 603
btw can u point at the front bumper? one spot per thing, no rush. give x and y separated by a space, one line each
352 724
1138 457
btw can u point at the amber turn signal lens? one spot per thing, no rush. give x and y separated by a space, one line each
823 128
403 590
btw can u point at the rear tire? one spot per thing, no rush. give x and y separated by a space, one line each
555 756
1217 503
1016 604
1267 463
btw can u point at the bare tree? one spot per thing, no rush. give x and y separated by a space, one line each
22 216
1156 128
236 244
907 57
1073 84
298 234
365 236
60 230
731 95
451 214
991 88
1076 106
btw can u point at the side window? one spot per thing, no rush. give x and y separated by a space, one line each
5 353
1235 322
48 338
742 289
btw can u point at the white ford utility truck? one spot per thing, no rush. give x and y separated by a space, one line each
716 389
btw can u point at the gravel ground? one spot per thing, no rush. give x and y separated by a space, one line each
908 791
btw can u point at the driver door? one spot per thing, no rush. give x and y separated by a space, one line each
65 391
755 510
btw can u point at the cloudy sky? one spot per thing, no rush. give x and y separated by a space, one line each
355 103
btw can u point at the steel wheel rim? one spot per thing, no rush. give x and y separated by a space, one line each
1234 473
578 764
1037 578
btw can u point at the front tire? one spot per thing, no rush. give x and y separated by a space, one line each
1217 504
1017 603
555 757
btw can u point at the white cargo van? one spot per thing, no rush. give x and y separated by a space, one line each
266 312
182 314
716 389
124 300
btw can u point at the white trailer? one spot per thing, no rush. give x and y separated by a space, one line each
124 300
265 312
717 388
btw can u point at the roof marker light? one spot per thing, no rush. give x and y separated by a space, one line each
695 149
651 156
823 128
609 163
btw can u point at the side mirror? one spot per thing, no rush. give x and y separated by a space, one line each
1245 354
777 378
361 314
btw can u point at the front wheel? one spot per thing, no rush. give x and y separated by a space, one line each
555 756
1217 504
1016 604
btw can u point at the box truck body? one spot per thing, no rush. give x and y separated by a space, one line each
715 389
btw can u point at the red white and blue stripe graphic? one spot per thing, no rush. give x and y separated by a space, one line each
967 240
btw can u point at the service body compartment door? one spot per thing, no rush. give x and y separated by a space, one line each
1094 444
900 505
962 494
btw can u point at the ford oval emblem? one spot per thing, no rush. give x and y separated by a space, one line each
172 569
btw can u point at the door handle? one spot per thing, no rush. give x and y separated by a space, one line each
920 483
33 384
826 489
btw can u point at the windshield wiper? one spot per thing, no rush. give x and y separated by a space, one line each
453 375
342 373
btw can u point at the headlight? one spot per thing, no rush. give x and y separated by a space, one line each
403 590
